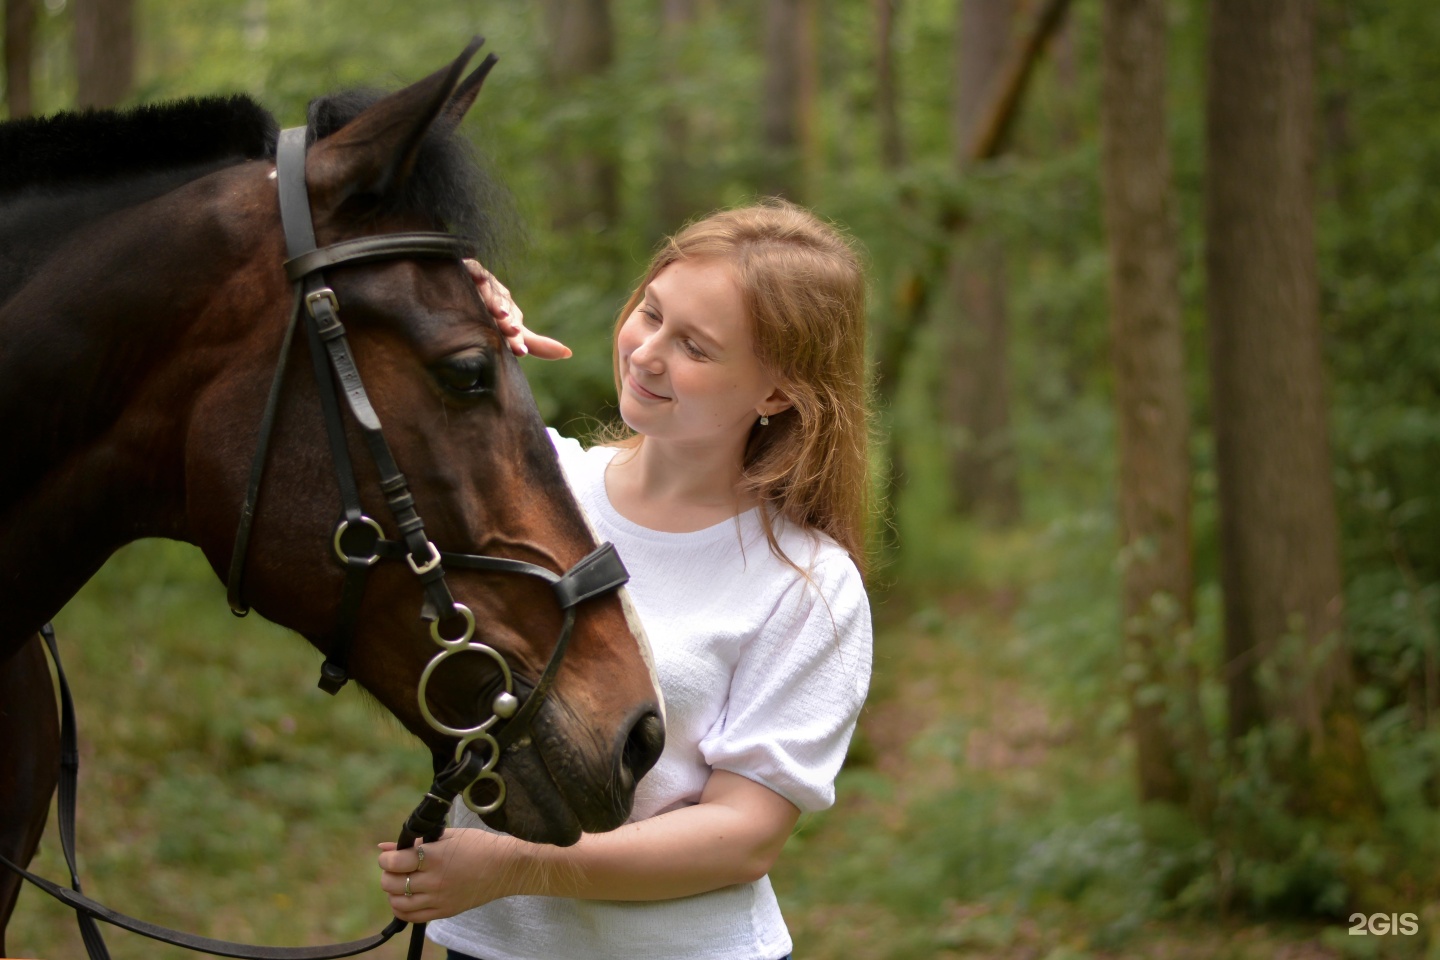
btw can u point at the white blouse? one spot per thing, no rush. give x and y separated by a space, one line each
763 675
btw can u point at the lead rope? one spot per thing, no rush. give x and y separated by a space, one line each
68 794
426 822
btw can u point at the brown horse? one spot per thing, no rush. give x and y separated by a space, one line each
143 303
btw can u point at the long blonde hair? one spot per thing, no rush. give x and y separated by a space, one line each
803 288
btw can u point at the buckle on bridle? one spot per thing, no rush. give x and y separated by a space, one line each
324 293
428 565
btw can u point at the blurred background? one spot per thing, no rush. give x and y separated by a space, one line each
1155 317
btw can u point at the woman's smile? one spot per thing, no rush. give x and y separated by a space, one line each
640 390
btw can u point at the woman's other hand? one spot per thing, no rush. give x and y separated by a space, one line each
461 870
510 319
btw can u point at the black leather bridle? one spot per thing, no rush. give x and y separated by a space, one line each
359 542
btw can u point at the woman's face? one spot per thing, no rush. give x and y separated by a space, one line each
688 370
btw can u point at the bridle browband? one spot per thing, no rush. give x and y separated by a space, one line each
359 542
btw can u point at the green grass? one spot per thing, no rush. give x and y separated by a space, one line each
220 791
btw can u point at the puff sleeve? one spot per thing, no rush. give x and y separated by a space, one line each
798 687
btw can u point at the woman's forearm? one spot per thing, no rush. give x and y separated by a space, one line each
731 836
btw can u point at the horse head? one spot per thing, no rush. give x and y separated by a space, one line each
461 424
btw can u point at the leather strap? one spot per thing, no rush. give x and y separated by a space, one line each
92 911
68 796
88 911
389 246
598 573
235 581
294 197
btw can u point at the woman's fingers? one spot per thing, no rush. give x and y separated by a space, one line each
492 292
406 884
415 907
399 861
511 319
546 348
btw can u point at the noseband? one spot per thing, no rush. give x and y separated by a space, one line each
359 541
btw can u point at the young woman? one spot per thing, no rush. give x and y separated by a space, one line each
738 500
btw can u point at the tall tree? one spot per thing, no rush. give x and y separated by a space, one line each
580 48
887 95
104 51
1287 665
1147 353
675 179
19 56
791 81
975 392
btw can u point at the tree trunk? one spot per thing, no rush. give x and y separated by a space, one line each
104 51
676 197
895 338
987 133
975 393
580 49
1287 666
887 96
787 134
1147 352
19 57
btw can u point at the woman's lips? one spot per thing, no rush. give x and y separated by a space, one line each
645 394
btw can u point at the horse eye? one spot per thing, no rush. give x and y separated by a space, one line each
467 374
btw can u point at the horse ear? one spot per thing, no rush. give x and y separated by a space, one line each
464 96
376 151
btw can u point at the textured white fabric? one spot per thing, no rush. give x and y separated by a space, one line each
763 675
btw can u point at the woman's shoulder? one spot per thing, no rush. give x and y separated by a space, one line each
819 555
577 459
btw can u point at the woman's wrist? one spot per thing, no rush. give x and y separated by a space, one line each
499 865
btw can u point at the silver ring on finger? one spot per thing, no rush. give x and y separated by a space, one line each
407 886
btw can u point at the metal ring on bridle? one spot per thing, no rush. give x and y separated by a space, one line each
479 728
487 772
481 810
348 557
465 612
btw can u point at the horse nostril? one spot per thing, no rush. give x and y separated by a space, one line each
643 745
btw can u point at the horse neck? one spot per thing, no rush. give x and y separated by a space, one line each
104 344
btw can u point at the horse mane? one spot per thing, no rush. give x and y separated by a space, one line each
186 138
98 146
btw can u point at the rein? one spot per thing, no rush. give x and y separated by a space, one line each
359 542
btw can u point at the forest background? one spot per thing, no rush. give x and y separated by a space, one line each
1155 297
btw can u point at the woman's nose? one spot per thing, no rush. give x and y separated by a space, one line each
646 354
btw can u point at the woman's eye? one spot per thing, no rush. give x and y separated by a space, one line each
693 350
468 374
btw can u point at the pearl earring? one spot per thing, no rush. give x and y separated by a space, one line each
764 420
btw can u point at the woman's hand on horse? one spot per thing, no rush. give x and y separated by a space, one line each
511 319
461 870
